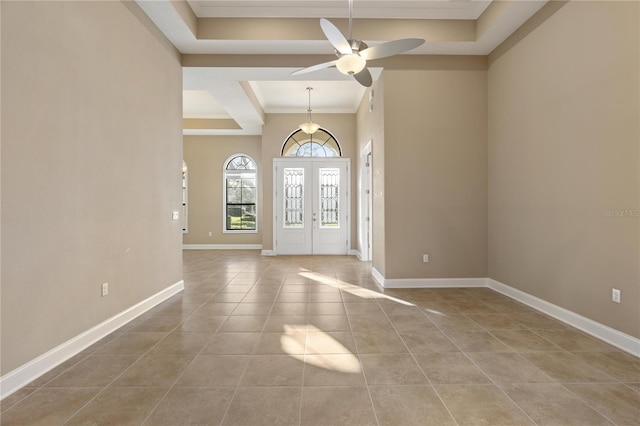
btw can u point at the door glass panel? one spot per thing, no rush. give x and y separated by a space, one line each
329 198
293 198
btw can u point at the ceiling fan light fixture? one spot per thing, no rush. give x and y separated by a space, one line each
309 127
351 64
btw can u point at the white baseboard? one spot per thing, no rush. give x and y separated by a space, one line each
428 282
378 277
354 252
222 246
268 253
610 335
25 374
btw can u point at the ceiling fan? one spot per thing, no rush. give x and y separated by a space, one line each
353 54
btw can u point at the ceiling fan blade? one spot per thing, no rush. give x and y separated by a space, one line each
315 67
364 77
391 48
336 38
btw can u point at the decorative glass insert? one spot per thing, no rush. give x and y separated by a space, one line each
329 198
293 198
240 194
319 144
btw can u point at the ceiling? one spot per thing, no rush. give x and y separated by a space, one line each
238 55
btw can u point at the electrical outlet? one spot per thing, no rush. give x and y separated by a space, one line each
210 233
615 295
175 215
105 289
425 258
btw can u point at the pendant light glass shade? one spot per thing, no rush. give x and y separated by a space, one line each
309 127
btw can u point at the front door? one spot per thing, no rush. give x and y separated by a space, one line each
311 206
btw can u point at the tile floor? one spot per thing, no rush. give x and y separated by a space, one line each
313 341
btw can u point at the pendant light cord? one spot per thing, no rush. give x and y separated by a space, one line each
309 89
350 18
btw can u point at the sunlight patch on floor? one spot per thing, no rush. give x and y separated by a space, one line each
322 346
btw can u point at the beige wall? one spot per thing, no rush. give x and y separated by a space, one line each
205 157
435 171
563 155
91 159
276 130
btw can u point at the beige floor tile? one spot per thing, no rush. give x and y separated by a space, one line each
48 406
94 371
243 323
202 323
391 369
613 400
289 309
451 368
264 406
333 370
280 343
472 307
524 341
476 341
158 323
454 321
370 322
227 298
619 365
252 308
290 297
409 405
192 406
273 370
507 306
411 321
328 323
329 342
55 372
336 406
119 406
363 309
508 367
323 308
216 309
325 297
553 404
496 321
214 371
154 371
179 343
481 405
566 367
574 340
231 343
14 398
430 340
131 344
283 323
375 342
538 321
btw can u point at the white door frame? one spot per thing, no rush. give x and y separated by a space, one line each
291 161
365 197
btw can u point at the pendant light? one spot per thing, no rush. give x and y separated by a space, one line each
309 126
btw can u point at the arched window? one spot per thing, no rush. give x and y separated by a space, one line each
319 144
240 194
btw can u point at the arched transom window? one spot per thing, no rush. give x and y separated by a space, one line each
319 144
240 194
